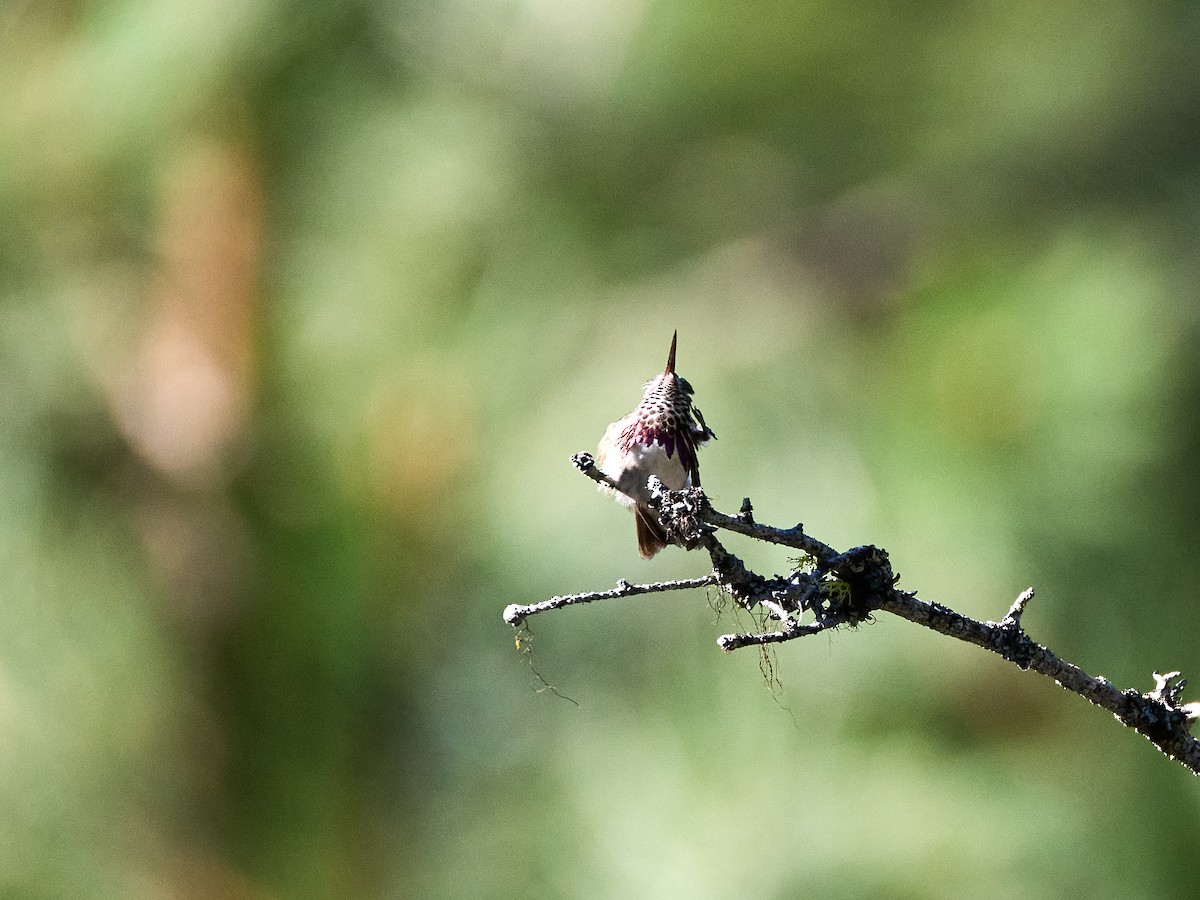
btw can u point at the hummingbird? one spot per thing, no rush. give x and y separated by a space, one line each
659 437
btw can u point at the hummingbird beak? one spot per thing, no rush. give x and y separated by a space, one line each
670 369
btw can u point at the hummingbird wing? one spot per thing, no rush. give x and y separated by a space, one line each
695 433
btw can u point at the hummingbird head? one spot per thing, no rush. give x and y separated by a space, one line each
667 417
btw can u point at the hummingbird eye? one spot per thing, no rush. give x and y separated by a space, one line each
685 384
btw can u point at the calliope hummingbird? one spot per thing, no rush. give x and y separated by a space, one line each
660 438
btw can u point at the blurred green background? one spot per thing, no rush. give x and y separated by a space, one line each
305 306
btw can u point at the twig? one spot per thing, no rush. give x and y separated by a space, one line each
1013 619
587 465
786 537
515 614
737 641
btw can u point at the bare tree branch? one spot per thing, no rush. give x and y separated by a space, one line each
848 588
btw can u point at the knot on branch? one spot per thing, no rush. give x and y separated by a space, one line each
867 573
843 591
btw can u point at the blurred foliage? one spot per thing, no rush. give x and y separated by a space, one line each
304 307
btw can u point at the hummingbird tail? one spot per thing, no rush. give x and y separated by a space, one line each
649 533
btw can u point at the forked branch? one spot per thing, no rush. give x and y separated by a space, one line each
835 589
